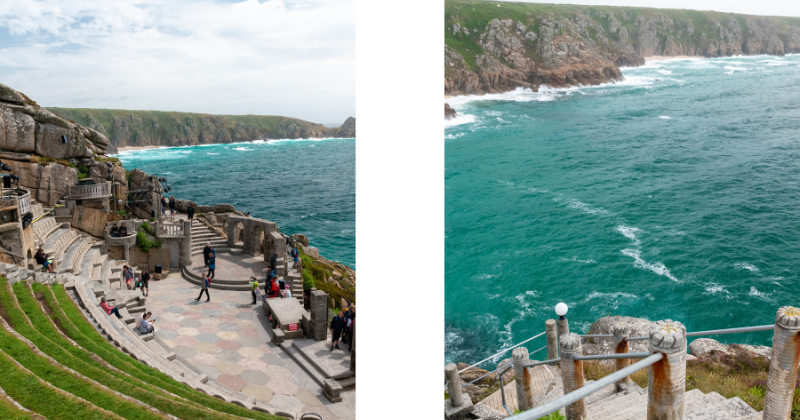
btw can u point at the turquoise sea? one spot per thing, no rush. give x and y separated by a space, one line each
305 186
672 194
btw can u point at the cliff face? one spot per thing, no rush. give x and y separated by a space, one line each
491 48
157 128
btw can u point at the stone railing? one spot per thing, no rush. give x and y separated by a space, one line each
129 240
23 199
667 341
169 229
80 192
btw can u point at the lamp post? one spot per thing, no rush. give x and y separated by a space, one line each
563 324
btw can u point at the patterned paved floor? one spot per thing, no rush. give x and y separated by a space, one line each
232 267
227 339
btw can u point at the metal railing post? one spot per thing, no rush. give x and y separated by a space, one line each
667 377
522 378
572 372
783 366
552 338
621 332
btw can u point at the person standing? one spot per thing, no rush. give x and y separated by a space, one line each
145 283
352 330
212 263
109 309
295 255
127 275
190 214
253 288
207 253
337 325
204 288
172 208
163 206
273 261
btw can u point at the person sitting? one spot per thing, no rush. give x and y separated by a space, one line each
285 292
146 326
41 258
109 309
273 290
123 231
114 231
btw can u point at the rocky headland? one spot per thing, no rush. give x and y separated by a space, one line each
491 49
158 128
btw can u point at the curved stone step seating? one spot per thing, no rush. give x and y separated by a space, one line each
154 355
71 262
58 242
43 228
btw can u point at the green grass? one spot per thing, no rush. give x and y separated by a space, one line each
72 321
45 336
9 411
316 273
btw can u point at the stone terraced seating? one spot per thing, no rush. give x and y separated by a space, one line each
42 228
149 351
71 262
58 242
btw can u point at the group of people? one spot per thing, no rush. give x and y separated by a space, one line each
119 230
145 325
273 287
143 283
343 325
171 205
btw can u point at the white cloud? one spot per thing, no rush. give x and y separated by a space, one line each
246 57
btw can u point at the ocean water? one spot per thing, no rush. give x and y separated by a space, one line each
305 186
672 194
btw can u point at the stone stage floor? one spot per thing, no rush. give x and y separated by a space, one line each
231 267
229 339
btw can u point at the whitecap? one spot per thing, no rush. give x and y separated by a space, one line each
732 69
501 120
533 293
665 72
755 293
242 149
454 136
716 289
746 266
658 268
212 153
665 117
575 204
629 232
460 119
614 295
576 259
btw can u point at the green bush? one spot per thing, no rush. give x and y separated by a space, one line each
83 172
145 244
149 229
308 280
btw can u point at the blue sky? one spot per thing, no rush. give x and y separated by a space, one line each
225 57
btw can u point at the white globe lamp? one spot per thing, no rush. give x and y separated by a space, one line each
561 309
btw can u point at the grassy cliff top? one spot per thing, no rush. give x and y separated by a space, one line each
475 15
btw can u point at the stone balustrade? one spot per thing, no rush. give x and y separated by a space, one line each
80 192
170 229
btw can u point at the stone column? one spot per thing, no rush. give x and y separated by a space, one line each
667 377
459 405
551 332
522 378
186 245
783 365
621 332
319 314
572 372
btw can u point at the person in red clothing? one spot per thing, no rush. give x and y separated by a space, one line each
273 290
109 309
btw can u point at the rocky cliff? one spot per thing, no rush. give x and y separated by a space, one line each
158 128
496 47
46 151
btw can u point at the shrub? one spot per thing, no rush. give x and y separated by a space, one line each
83 172
149 229
145 244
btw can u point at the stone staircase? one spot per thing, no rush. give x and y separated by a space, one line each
201 234
605 404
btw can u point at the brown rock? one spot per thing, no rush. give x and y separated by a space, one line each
449 113
92 221
17 130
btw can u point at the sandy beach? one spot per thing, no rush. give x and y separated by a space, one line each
665 57
129 148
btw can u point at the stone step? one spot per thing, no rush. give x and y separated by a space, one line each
87 263
221 284
294 353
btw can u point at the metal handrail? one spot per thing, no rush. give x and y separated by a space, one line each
503 391
500 367
585 391
613 356
545 362
598 336
717 332
501 352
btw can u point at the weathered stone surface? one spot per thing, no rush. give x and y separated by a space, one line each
49 142
704 346
638 327
11 95
17 130
301 239
47 183
223 208
449 113
312 252
90 220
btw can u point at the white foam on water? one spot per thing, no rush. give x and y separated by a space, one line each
746 266
533 293
716 289
460 119
733 69
665 117
755 293
575 204
454 136
658 268
629 232
774 62
209 153
615 295
665 72
576 259
242 149
493 113
259 141
485 276
501 120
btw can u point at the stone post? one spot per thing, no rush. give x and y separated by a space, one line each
551 333
563 327
522 378
783 365
572 372
621 332
319 315
459 405
186 245
667 377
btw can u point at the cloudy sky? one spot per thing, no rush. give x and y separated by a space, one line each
266 57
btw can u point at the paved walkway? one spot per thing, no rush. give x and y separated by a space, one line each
229 339
231 267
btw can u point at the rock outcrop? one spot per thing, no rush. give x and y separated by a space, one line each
156 128
449 113
579 45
